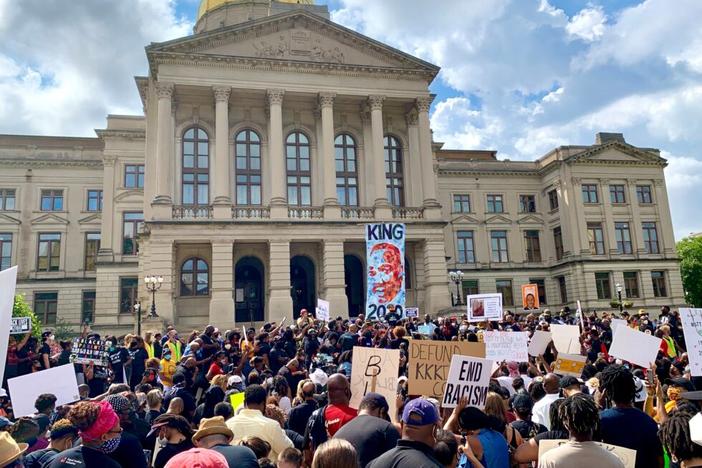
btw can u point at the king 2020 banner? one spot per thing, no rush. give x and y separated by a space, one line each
385 257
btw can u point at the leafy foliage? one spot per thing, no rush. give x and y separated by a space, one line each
690 253
22 309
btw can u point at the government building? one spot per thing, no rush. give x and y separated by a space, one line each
269 138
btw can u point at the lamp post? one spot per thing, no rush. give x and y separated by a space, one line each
137 309
153 284
456 277
619 296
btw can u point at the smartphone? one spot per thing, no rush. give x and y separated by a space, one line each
650 378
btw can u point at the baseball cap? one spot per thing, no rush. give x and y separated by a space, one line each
198 458
234 380
420 412
376 400
522 402
569 381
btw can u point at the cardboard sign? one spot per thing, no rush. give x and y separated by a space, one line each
411 312
566 338
60 381
85 351
20 325
634 346
692 329
385 257
482 307
626 455
8 282
569 364
468 377
530 296
506 346
375 370
539 342
322 310
429 362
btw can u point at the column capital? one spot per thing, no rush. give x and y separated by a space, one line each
375 102
164 89
221 93
412 117
109 160
423 103
326 99
275 96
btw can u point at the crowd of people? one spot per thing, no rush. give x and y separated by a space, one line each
280 396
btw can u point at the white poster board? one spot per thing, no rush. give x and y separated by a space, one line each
426 330
59 381
618 323
411 312
692 329
580 316
539 342
566 338
626 455
470 377
375 370
634 346
8 281
20 325
482 307
506 346
322 310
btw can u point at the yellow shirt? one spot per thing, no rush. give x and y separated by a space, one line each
247 349
168 368
254 423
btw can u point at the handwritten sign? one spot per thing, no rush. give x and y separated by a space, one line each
20 325
85 351
60 381
411 312
482 307
692 329
539 342
626 455
569 364
468 377
566 338
429 362
374 370
506 346
322 310
634 346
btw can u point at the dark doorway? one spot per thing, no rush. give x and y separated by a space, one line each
248 290
302 285
353 277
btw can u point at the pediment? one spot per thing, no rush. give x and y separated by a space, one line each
95 218
49 218
465 219
130 195
7 219
530 219
618 152
498 219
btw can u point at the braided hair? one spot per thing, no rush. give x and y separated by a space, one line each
618 383
675 436
580 415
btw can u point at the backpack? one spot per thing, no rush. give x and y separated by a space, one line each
316 429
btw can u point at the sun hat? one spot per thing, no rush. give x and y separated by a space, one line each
9 449
198 458
211 426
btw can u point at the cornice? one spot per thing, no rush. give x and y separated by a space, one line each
128 134
97 164
489 172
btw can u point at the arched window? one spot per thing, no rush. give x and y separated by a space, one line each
346 172
248 168
194 278
297 156
196 167
393 171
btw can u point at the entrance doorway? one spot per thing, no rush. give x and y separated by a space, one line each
248 290
353 277
302 285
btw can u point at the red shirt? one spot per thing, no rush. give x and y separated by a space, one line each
336 416
215 369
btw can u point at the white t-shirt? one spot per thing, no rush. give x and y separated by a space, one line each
539 414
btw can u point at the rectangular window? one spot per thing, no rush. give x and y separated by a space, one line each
595 236
7 199
87 308
94 200
470 287
562 290
132 224
505 288
590 193
494 204
49 252
498 241
643 194
461 203
553 199
623 236
631 283
5 251
128 293
45 306
527 204
134 176
617 194
650 238
52 200
92 245
542 289
558 242
532 246
659 286
464 246
602 284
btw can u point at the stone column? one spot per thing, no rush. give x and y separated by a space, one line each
162 262
164 132
436 292
276 155
220 169
334 282
383 210
413 169
332 209
279 300
432 208
665 231
636 228
222 284
106 252
608 227
582 244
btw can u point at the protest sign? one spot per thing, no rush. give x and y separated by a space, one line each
617 322
59 381
385 256
626 455
539 342
566 338
530 296
85 351
692 329
426 330
569 364
483 307
8 282
634 346
411 312
429 362
375 370
20 325
322 310
580 316
506 346
470 377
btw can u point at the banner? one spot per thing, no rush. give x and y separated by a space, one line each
8 282
569 364
20 325
322 310
85 351
375 370
530 296
468 377
482 307
634 346
411 312
626 455
539 342
692 329
59 381
429 363
385 256
506 346
566 338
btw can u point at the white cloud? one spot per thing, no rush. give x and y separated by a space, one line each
458 126
588 24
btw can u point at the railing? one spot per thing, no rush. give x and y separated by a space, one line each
307 212
192 212
250 212
408 213
354 212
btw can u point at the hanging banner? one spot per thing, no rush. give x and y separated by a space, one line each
468 377
484 307
20 325
85 351
385 256
530 296
692 329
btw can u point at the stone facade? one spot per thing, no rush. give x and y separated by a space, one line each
264 148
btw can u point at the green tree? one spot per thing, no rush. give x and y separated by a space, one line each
22 309
690 253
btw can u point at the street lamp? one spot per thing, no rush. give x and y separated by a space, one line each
619 296
153 284
137 309
456 277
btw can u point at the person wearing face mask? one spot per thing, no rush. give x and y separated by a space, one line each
100 432
175 436
63 435
129 450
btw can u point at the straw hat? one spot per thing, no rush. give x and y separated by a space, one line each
9 449
212 426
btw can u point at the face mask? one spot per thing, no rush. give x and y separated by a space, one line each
110 445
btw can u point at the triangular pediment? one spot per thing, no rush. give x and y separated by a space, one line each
617 152
95 218
130 195
49 218
7 219
465 219
498 219
530 219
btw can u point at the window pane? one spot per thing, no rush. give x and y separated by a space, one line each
188 147
255 195
292 165
202 194
305 198
255 164
241 198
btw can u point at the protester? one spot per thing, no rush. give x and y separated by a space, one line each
63 435
215 435
540 410
176 434
198 458
335 453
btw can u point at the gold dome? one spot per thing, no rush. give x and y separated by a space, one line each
208 5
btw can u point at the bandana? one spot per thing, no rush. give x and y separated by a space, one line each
106 420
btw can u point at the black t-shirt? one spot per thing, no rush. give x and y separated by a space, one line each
139 357
64 357
129 452
118 358
299 415
551 435
83 457
45 349
277 358
170 451
39 458
407 453
237 455
371 436
528 429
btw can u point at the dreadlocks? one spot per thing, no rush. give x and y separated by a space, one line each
618 383
580 415
675 436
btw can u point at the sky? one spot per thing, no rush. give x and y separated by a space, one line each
517 76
